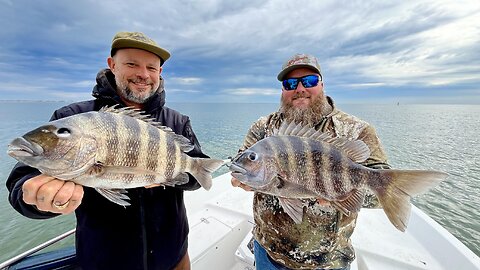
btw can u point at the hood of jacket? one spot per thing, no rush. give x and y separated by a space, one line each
105 89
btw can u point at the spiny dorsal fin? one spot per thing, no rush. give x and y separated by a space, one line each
292 129
135 113
184 143
356 150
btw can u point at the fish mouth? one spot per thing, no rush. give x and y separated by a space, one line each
23 148
237 171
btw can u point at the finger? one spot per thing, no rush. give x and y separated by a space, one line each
77 196
235 182
75 200
46 194
64 194
152 185
31 186
247 188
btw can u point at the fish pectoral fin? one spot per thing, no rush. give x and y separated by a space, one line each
180 179
279 183
293 208
352 203
117 196
96 169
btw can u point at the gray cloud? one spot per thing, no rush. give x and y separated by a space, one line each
58 46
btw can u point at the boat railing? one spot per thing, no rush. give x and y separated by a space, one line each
9 262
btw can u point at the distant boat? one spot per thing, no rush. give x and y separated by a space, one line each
220 229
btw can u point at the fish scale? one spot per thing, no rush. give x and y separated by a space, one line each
325 173
112 141
132 145
310 164
153 147
178 166
170 166
340 180
143 151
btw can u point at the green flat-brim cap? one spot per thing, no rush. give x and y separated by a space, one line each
138 40
299 61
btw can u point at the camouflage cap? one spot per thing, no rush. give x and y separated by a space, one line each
138 40
299 61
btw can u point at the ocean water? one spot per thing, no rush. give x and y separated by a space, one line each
437 137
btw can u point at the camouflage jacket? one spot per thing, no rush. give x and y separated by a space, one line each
322 240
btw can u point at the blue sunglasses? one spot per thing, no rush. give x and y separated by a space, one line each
307 82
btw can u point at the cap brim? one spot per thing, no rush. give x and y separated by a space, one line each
285 71
129 43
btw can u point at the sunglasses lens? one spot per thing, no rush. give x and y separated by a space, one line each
290 84
307 82
310 81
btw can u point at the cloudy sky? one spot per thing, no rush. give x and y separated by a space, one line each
231 51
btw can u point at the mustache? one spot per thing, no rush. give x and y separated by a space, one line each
300 95
140 80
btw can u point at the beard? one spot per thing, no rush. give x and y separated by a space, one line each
310 116
130 95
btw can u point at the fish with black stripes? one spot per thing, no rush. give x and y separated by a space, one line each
298 162
112 150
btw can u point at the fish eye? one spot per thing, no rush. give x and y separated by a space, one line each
252 156
63 132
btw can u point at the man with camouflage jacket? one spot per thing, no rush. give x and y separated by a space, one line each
322 240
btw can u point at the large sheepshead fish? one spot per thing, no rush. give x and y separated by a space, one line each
302 163
112 150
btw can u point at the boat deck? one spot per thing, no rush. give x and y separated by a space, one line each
221 221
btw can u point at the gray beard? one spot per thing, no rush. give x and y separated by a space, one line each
307 116
129 95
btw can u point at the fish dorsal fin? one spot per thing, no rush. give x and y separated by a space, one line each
299 130
184 143
132 112
356 150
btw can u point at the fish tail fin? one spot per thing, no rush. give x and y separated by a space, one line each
401 185
203 168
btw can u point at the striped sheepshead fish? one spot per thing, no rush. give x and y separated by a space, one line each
299 163
112 150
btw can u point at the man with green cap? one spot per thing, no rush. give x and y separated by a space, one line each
152 232
322 239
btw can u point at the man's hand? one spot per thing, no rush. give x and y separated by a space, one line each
50 194
237 183
153 185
